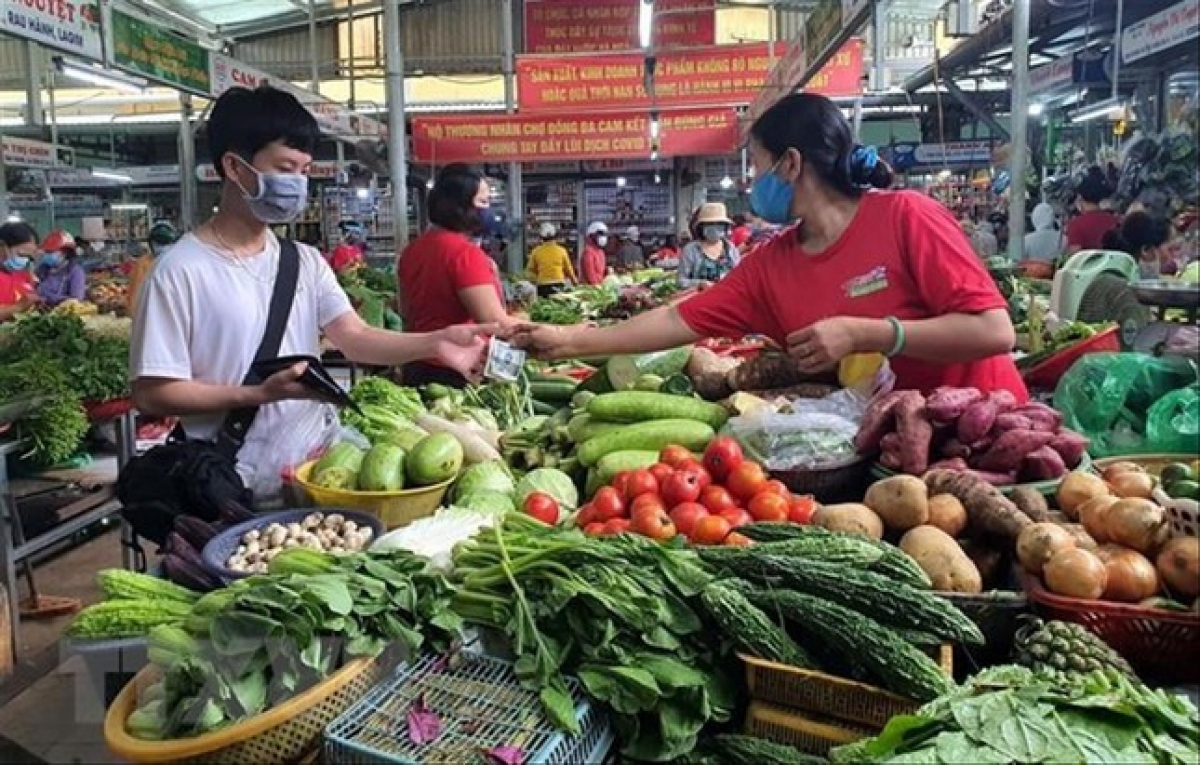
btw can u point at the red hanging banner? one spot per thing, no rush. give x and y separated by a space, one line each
542 138
582 26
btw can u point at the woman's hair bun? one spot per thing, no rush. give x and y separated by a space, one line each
868 170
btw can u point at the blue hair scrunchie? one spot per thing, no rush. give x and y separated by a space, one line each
863 160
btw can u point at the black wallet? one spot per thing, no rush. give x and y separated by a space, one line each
316 377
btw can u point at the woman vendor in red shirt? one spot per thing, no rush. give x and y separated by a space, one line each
445 277
861 271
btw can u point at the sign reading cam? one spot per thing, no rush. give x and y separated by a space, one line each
59 24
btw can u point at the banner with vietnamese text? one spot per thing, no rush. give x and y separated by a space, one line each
581 26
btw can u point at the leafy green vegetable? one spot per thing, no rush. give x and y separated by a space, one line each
387 410
550 481
485 476
54 429
96 367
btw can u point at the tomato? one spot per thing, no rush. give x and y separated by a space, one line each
661 472
746 480
616 526
710 530
644 501
585 516
640 482
607 504
692 466
738 540
681 487
674 455
722 457
766 506
716 499
736 516
594 529
652 522
543 507
777 487
684 516
802 509
620 482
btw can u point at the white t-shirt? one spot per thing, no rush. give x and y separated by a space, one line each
201 317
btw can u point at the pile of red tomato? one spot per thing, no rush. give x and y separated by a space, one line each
704 501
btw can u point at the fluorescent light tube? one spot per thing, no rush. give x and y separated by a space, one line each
103 78
111 175
128 207
1099 109
646 23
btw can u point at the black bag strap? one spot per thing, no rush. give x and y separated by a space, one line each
238 422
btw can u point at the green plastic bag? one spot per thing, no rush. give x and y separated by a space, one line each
1130 403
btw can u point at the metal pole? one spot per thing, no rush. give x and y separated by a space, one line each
858 118
397 146
350 51
879 47
514 191
187 165
3 217
33 85
1019 123
1117 52
314 62
50 83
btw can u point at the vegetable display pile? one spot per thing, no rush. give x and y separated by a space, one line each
1054 646
54 429
989 436
261 641
1011 714
372 291
182 562
133 604
387 467
332 533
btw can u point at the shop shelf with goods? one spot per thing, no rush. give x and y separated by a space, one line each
554 202
639 202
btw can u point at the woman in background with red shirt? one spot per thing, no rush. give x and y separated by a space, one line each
887 272
445 277
1087 229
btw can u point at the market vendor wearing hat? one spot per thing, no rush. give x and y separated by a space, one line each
861 271
711 256
593 265
630 255
18 248
549 264
60 277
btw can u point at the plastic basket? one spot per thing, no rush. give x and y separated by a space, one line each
828 484
283 734
394 508
481 705
808 733
837 698
998 614
1047 373
1155 642
220 547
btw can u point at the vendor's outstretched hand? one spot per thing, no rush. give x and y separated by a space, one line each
545 341
820 346
463 348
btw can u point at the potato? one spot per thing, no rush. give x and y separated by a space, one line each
902 502
942 559
947 514
850 518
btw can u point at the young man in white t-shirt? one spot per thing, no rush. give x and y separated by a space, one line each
203 309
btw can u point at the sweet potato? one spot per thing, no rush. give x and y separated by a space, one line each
916 433
955 448
1070 446
1043 417
1004 400
877 421
766 371
1033 503
994 478
990 512
945 405
1011 448
1042 464
891 460
954 463
709 373
1011 421
977 421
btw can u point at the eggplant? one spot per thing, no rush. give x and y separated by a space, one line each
233 512
177 545
195 531
189 574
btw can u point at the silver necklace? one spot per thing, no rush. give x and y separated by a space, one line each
229 254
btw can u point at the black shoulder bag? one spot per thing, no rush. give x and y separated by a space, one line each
198 477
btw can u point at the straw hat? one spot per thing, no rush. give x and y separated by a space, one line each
712 212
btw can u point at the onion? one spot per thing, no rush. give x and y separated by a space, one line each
1132 484
1083 540
1077 574
1120 468
1130 575
1179 566
1138 524
1077 488
1093 514
1041 542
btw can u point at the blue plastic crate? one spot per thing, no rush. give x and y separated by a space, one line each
481 705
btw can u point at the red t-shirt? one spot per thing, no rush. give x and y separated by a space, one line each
903 255
1086 230
432 270
14 286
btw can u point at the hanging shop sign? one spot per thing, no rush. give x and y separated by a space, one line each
1162 31
1053 76
842 74
72 27
158 53
535 138
583 26
64 205
905 156
724 75
321 170
139 175
25 152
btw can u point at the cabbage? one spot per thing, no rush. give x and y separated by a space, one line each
556 483
488 502
485 476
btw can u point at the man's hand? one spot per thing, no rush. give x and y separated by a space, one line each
463 348
545 341
285 385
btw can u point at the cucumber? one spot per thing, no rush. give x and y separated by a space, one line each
618 462
639 406
649 383
544 407
583 428
592 483
552 392
623 371
652 435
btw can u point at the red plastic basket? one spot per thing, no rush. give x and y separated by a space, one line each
1161 645
1048 373
103 411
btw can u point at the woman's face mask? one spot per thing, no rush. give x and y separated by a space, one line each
771 197
52 260
281 197
601 240
712 233
15 262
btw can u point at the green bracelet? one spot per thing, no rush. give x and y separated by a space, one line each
901 340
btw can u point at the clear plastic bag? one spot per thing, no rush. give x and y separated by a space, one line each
297 440
804 433
1113 398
